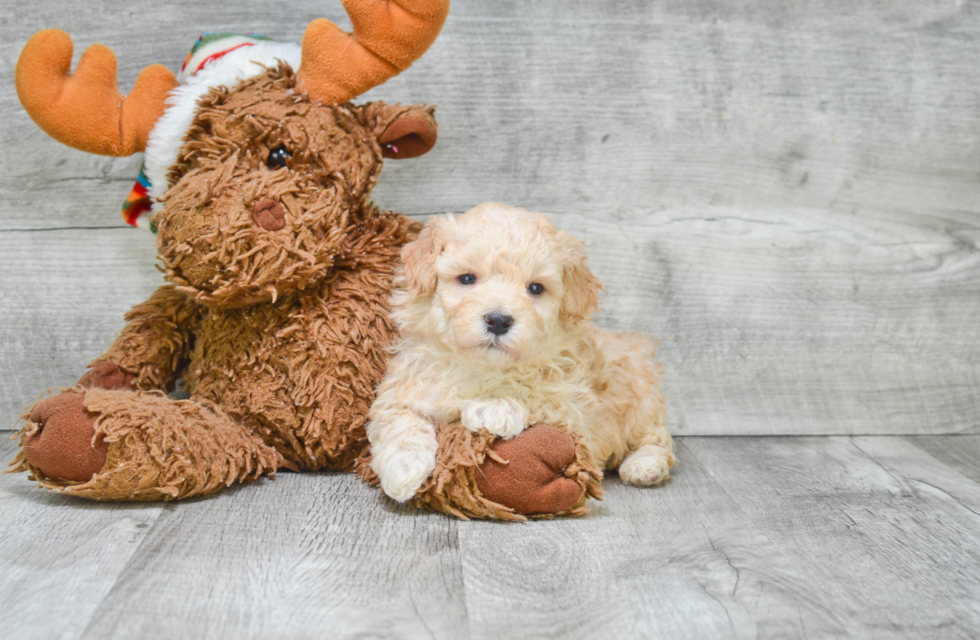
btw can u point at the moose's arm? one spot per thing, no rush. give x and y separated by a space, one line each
150 350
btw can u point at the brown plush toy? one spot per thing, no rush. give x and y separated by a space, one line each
256 179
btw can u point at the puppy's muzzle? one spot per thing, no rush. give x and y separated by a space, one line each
498 323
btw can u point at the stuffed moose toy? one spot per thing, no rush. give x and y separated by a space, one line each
256 177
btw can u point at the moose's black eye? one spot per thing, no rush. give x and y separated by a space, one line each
467 278
277 157
535 288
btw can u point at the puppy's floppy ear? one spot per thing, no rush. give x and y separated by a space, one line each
419 257
581 297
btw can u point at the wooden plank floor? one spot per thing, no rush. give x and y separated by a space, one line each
754 537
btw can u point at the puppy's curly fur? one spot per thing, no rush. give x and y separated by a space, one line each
493 308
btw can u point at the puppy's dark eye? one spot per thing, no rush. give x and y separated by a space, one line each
467 278
535 289
277 157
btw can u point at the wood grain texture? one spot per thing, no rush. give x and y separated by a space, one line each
681 560
786 197
870 522
63 296
60 557
962 454
301 556
596 107
753 537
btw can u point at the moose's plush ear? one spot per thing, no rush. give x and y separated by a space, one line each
402 131
413 134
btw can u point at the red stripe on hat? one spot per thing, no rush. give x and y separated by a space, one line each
220 54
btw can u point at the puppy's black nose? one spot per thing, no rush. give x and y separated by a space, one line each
498 323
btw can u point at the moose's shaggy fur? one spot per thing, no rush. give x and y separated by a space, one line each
281 336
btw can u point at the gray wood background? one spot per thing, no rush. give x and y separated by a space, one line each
786 194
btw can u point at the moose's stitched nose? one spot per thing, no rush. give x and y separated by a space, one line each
498 323
269 214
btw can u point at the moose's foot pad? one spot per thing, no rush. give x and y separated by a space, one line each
62 443
532 479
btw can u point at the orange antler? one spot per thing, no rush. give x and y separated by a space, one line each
388 36
85 110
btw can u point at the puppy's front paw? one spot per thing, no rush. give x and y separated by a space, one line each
647 465
402 471
502 417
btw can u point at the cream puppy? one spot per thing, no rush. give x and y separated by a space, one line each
493 308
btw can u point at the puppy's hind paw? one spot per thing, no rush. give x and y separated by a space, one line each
503 417
647 465
403 471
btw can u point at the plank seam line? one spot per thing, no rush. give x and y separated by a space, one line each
944 492
167 506
910 481
43 229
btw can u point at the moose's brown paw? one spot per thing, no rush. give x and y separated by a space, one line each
533 479
108 375
61 448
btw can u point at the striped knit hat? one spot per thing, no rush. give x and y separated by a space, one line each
217 59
